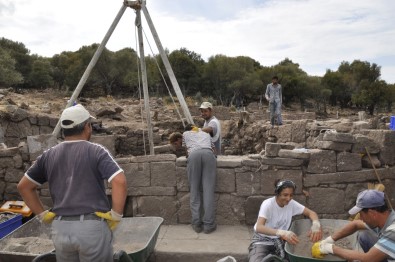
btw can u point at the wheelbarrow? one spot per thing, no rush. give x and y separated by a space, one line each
136 236
302 251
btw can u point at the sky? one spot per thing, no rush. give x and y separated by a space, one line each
316 34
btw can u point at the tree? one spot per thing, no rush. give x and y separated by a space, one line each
40 76
8 74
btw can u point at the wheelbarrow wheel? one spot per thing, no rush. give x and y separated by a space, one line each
47 257
122 256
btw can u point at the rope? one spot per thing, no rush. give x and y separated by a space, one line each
138 77
164 80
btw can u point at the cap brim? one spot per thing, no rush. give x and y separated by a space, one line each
203 107
355 210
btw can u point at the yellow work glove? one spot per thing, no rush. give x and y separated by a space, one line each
319 249
112 218
195 129
46 217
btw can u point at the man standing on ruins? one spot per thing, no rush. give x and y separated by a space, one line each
211 125
82 217
274 96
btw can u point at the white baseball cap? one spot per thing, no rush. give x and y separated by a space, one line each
73 116
206 105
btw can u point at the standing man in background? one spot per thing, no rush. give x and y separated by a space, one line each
275 97
211 125
82 217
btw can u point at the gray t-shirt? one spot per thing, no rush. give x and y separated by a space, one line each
75 172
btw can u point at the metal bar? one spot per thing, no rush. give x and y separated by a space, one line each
92 64
378 178
166 62
145 82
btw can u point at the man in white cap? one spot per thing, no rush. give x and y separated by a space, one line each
82 217
377 226
211 125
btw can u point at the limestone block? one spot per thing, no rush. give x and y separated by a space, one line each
225 180
18 115
24 129
137 174
362 142
278 161
181 161
13 175
270 177
151 191
45 130
33 120
366 163
322 161
182 179
283 133
298 131
339 137
107 141
248 183
251 162
343 127
163 174
330 145
326 200
297 154
12 130
45 192
53 121
230 210
348 162
162 206
359 125
123 160
351 193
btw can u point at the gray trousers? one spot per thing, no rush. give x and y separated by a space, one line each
275 113
202 172
85 241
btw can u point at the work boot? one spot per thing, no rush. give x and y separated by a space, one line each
197 228
210 230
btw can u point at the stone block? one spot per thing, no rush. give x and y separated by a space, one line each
348 162
339 137
251 162
326 200
330 145
181 161
322 161
359 125
107 141
42 120
297 154
270 177
19 115
18 161
45 192
38 144
298 131
230 210
230 161
9 152
225 182
272 149
45 130
162 206
385 139
362 142
366 163
278 161
182 179
24 129
351 193
154 158
184 211
137 174
163 174
283 133
252 205
12 130
248 183
13 175
151 191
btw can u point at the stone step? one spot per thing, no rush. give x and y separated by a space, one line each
179 243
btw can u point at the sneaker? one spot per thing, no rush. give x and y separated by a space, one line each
210 230
197 228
